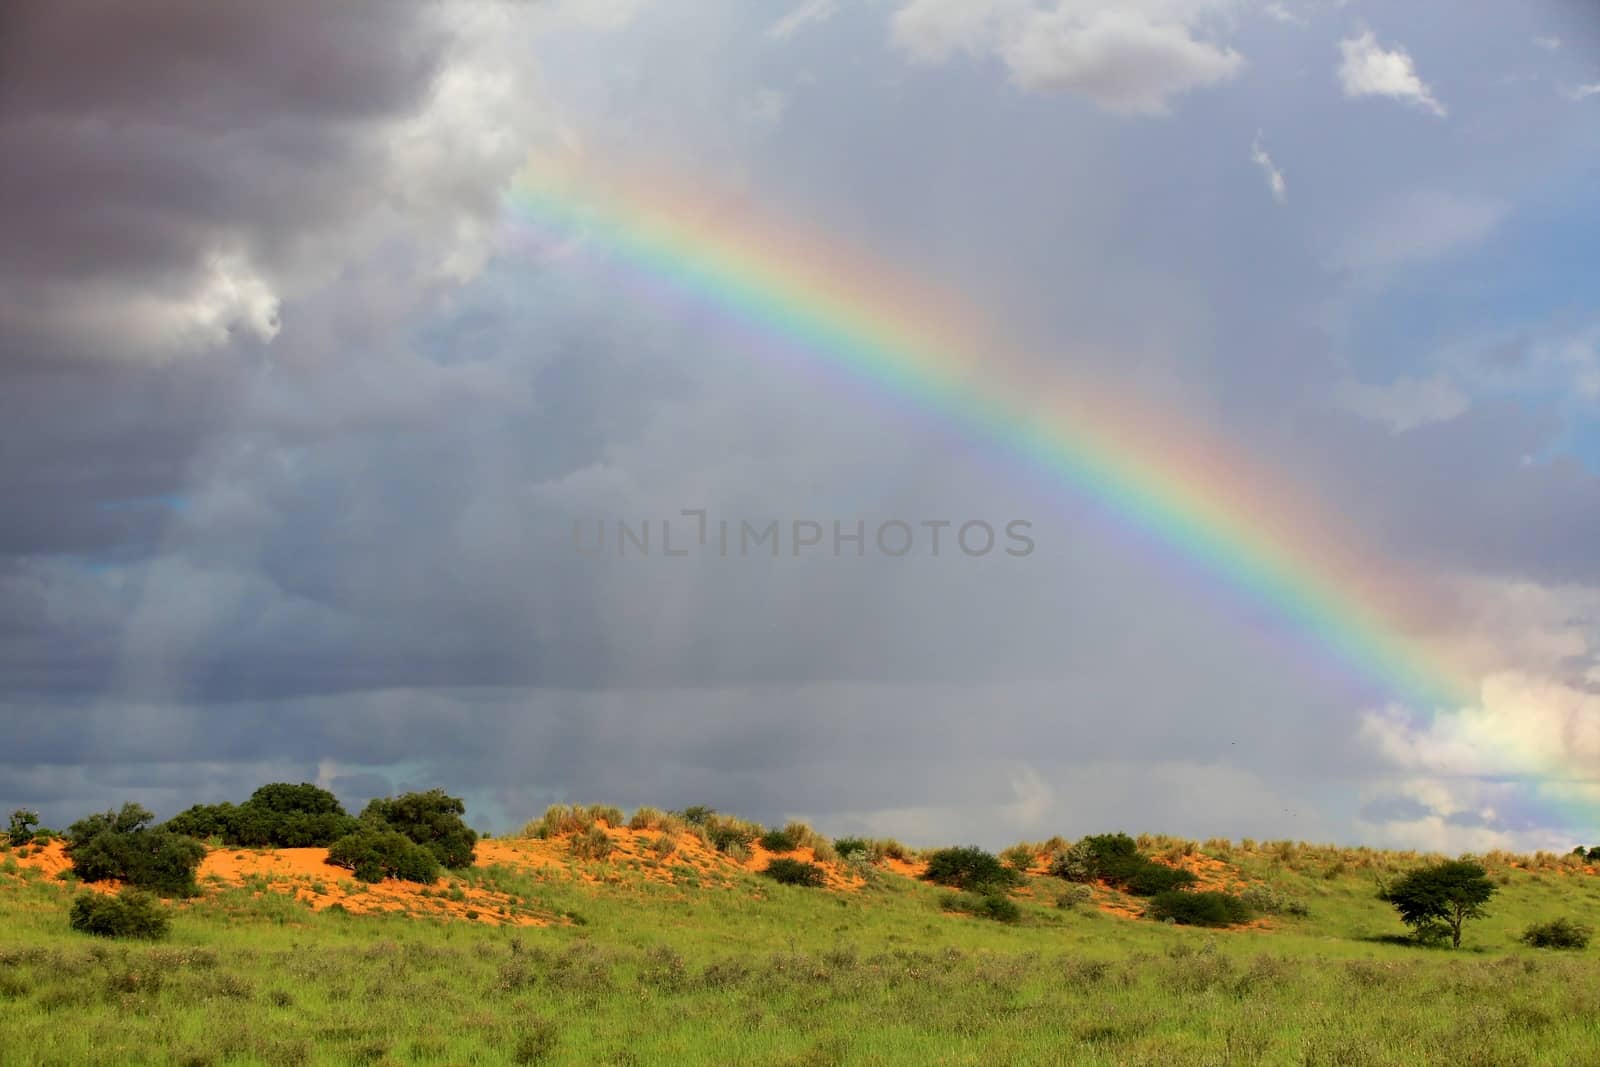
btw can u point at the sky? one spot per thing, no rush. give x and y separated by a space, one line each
298 417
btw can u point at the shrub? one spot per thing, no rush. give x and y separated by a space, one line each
130 913
655 819
969 867
992 905
593 844
23 820
1144 878
1557 933
1019 857
795 872
375 854
1269 901
1116 860
779 841
1074 895
696 814
1188 908
119 845
725 832
1594 852
847 847
432 820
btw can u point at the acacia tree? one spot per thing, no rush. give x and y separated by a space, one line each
1435 901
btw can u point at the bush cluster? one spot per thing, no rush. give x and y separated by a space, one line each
1590 853
779 841
795 872
434 821
278 815
374 854
1188 908
1116 860
121 845
1557 933
130 913
970 867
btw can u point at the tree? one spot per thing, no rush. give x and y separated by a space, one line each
432 819
23 820
120 845
1435 901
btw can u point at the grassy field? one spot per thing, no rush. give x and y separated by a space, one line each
741 970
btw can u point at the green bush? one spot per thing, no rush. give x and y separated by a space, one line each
726 834
969 867
696 814
375 854
130 913
988 905
779 841
432 820
1198 908
851 846
119 845
23 820
1557 933
1116 860
795 872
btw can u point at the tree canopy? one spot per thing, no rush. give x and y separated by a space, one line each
1435 901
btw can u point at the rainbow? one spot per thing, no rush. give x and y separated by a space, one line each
1157 473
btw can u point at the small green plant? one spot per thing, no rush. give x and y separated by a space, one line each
970 867
1557 933
795 872
131 913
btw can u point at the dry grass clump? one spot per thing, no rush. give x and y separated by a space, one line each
656 819
560 819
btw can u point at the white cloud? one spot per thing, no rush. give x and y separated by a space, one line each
1415 228
1549 44
931 31
809 12
765 108
1368 69
1130 59
1121 59
1275 182
1281 13
1522 726
1406 403
1583 92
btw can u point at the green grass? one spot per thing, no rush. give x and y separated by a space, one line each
640 972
